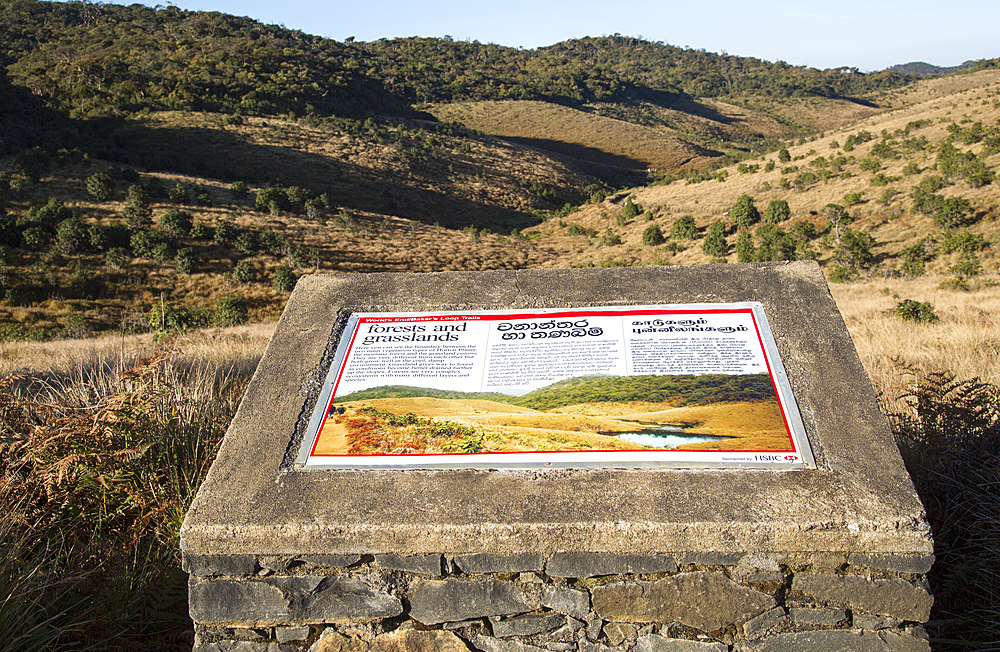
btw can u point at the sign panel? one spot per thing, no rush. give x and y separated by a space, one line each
696 385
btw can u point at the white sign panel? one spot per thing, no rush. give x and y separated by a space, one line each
639 386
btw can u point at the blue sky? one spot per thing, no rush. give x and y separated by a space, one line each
870 35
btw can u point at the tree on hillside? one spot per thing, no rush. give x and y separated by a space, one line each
715 244
744 213
836 216
777 211
138 213
653 235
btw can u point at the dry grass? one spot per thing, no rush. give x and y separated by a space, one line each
236 346
966 340
575 133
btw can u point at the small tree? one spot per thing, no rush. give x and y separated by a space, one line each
283 278
684 228
185 261
745 251
225 232
744 213
630 210
100 186
784 156
176 222
72 237
777 211
653 236
836 216
244 272
138 212
178 194
855 250
230 310
953 212
715 244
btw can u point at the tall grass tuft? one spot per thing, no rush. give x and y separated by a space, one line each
949 435
98 468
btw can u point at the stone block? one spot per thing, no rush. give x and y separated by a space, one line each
619 632
286 634
917 564
528 625
592 564
654 643
420 564
757 561
490 563
488 644
566 601
451 600
759 578
288 600
237 601
897 598
833 640
338 600
764 623
703 600
215 565
412 640
710 558
402 640
825 617
276 563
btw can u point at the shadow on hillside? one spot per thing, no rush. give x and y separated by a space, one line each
582 153
687 104
219 154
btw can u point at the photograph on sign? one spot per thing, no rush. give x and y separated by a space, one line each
692 385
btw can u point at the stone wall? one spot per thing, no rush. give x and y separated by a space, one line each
590 602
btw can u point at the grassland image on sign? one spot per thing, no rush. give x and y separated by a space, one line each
588 386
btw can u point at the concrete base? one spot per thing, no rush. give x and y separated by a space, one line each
568 559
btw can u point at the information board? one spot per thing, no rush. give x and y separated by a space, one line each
697 385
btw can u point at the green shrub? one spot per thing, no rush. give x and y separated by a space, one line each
854 198
244 272
116 257
653 236
715 244
165 318
176 222
630 210
246 243
272 199
283 278
185 261
684 228
138 212
910 310
225 232
745 251
178 194
72 237
230 310
100 187
744 213
777 211
144 243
